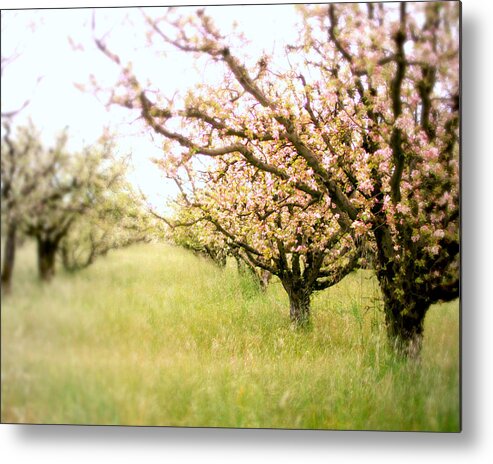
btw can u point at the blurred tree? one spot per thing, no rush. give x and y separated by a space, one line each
117 220
47 193
19 179
190 231
77 184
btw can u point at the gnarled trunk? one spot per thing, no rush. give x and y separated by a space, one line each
299 303
9 257
404 318
405 304
299 308
46 258
405 332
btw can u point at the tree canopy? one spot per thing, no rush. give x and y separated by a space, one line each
365 117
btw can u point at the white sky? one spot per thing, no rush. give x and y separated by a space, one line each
42 39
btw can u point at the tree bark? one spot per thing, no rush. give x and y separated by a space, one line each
46 258
405 304
264 279
9 257
404 320
299 304
405 333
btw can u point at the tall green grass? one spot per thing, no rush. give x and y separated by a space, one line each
153 335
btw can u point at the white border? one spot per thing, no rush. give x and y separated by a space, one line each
133 445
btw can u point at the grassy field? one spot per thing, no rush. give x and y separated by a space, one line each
153 335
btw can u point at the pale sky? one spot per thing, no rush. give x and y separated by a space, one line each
41 38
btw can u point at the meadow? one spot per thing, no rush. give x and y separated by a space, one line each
153 335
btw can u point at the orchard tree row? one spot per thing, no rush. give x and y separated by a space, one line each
75 205
345 148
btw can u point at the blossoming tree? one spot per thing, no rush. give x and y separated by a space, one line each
364 113
46 191
269 225
116 219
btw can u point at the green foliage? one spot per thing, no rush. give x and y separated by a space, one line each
23 164
76 182
117 219
78 203
154 336
187 230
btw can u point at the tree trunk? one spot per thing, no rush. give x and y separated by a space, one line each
9 257
264 279
405 304
299 305
46 258
404 320
240 265
405 333
218 257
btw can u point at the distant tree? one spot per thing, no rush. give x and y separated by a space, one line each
116 220
261 277
17 179
190 229
78 184
198 236
20 178
45 191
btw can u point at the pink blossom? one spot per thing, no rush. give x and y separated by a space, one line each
439 233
